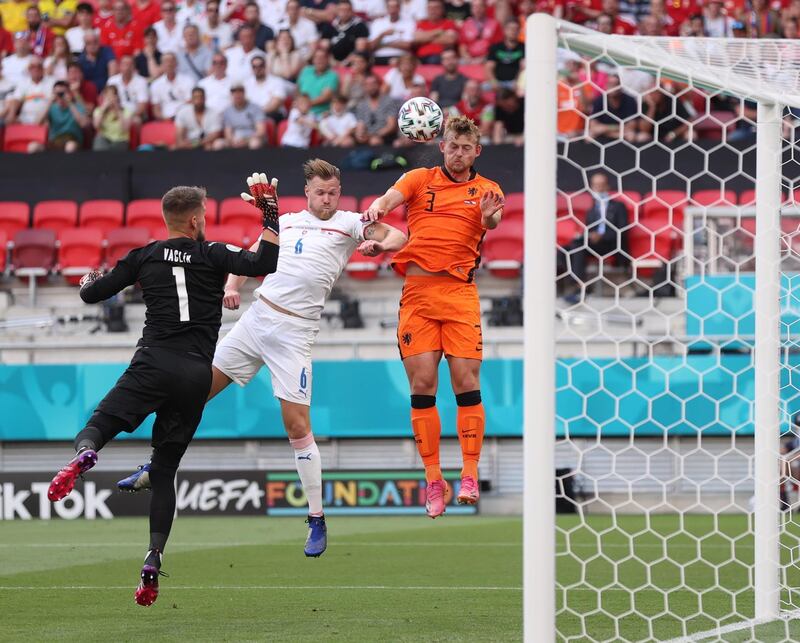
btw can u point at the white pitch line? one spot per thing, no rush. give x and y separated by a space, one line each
274 587
735 627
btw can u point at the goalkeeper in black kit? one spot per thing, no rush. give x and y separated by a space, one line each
182 281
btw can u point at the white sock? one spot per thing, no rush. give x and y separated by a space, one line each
309 467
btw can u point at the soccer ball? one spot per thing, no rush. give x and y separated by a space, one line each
420 119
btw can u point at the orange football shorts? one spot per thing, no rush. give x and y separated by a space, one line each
439 314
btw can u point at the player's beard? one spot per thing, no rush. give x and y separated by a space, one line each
201 236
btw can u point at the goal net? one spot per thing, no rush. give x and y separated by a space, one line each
662 309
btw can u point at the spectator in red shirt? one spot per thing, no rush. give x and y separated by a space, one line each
104 12
581 11
434 34
6 40
478 33
146 12
81 87
665 24
123 34
623 24
472 105
680 10
39 36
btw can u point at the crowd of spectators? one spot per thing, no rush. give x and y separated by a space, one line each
228 72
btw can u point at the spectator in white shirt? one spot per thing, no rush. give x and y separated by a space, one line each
369 9
392 35
217 85
170 33
301 124
31 99
15 66
717 24
215 34
304 31
400 81
266 91
271 12
189 12
7 89
194 60
239 56
338 127
196 125
84 15
170 90
132 89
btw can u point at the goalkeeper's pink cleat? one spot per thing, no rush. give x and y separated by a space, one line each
469 492
64 480
434 503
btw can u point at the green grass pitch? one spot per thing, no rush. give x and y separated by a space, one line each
392 579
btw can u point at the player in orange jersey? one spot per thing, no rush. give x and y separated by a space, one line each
449 210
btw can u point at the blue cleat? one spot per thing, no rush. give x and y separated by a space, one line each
317 539
137 481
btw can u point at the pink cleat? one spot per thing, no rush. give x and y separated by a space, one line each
469 492
64 480
434 503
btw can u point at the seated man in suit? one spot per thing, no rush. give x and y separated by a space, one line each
604 235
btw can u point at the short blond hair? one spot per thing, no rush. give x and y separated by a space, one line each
462 126
321 169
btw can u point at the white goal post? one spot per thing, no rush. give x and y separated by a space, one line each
762 72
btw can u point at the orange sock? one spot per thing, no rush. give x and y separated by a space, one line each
471 421
427 433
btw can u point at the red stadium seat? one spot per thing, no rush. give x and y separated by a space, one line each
515 201
348 203
14 216
576 204
475 72
651 243
668 204
34 256
567 228
396 218
81 250
272 134
292 203
503 250
748 197
3 250
122 240
234 211
714 198
429 72
233 234
18 137
361 267
101 214
146 213
212 211
158 134
55 215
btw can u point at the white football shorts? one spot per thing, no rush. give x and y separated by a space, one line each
265 337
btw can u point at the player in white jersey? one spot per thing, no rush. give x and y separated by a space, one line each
279 328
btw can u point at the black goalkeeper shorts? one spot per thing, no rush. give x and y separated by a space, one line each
170 384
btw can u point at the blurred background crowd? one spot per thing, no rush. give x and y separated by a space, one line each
220 74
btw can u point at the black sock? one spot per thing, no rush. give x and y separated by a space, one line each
162 504
89 438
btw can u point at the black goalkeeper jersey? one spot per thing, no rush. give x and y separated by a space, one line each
182 281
